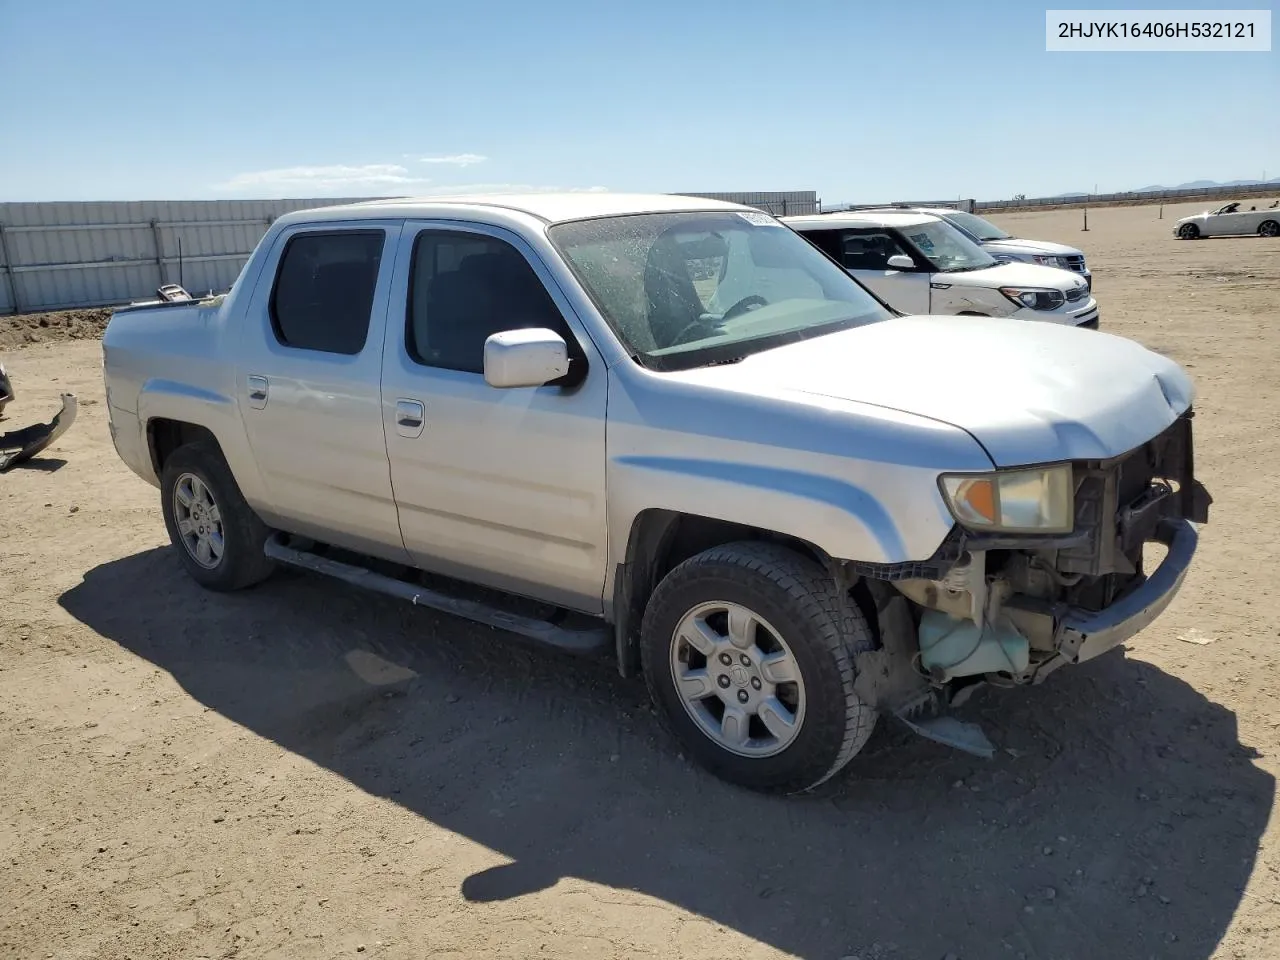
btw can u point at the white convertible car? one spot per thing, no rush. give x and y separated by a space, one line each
1230 220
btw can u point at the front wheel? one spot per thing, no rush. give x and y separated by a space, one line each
1188 231
748 654
1269 228
218 537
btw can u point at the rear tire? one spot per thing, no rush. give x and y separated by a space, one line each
218 537
749 657
1189 231
1269 228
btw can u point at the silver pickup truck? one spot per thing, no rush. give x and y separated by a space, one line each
673 430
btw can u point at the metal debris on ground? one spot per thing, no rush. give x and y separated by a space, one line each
5 389
19 445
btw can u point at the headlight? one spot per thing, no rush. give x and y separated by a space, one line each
1012 501
1037 298
1049 261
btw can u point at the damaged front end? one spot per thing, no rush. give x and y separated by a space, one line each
1010 609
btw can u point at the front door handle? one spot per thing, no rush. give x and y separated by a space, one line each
257 392
411 415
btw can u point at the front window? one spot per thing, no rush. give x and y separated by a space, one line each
949 250
685 289
975 226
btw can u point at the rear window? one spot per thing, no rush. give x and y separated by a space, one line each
323 292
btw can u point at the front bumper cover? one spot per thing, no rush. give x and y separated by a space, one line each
24 444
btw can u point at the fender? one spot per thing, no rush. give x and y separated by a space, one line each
834 515
217 413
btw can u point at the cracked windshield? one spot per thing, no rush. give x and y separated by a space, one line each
676 287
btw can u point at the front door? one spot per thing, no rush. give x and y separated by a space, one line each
865 254
308 385
504 487
1240 221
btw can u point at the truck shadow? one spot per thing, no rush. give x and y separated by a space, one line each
1121 818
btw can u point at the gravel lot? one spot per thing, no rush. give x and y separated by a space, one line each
303 771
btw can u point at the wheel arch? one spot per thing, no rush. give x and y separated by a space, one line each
660 540
165 435
172 413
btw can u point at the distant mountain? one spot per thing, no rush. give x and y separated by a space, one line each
1206 184
1191 185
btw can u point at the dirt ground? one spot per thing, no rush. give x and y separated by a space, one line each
30 328
304 771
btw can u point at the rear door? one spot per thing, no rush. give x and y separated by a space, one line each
502 487
309 383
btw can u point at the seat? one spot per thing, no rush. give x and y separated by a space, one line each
671 299
489 292
864 253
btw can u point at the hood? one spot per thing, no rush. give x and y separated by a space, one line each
1013 275
1028 392
1194 216
1042 247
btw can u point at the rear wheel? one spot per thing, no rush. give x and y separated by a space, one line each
749 656
1188 231
1269 228
218 537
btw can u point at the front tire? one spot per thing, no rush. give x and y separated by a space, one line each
218 537
748 654
1189 231
1269 228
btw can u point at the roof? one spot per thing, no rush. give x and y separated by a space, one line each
933 211
548 207
857 218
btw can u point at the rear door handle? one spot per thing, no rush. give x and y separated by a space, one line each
257 391
411 415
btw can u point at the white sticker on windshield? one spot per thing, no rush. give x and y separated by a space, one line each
759 219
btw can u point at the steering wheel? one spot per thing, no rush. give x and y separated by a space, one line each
745 304
741 307
697 325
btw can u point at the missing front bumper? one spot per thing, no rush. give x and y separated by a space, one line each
1084 635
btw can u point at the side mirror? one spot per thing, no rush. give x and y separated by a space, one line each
900 261
525 358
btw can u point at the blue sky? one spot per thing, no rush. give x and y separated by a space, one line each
141 99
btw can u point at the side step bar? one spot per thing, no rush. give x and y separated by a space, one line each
583 640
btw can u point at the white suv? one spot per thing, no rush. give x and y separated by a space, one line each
1002 245
920 264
